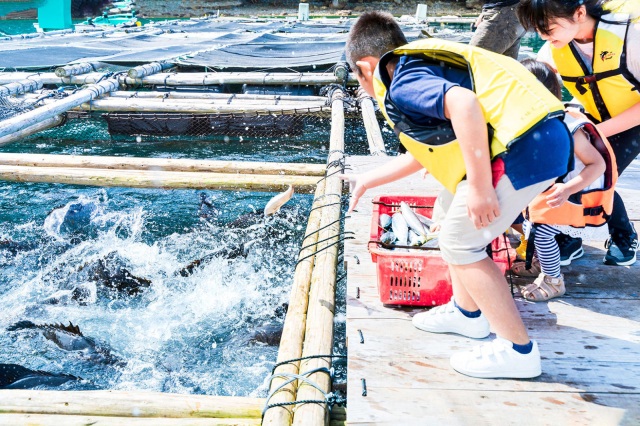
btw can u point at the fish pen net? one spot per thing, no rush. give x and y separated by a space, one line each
251 125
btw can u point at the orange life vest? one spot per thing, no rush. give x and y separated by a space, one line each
585 208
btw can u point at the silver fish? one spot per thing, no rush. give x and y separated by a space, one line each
400 228
384 221
412 220
278 201
425 220
388 238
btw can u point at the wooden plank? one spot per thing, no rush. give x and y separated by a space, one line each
399 406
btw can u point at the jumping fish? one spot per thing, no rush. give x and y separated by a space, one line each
400 228
278 201
412 220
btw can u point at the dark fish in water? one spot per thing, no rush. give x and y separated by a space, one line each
269 335
230 252
14 376
111 274
70 338
14 247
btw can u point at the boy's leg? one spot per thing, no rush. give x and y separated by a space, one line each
477 281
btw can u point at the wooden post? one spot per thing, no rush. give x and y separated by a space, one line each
161 164
158 179
45 124
128 404
374 137
320 317
148 69
293 333
22 86
27 119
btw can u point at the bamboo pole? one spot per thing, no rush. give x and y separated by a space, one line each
374 136
45 124
161 164
76 69
189 107
22 86
57 420
148 69
190 79
320 316
129 404
27 119
293 331
204 95
157 179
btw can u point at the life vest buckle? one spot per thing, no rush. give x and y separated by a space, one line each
593 211
587 79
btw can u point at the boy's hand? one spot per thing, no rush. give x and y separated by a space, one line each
482 206
558 196
356 187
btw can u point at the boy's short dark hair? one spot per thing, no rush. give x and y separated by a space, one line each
373 34
545 74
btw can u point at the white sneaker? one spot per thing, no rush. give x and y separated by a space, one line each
498 359
448 319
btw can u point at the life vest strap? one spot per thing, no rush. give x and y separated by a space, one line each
590 79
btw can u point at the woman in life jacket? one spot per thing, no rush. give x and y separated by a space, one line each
595 47
578 204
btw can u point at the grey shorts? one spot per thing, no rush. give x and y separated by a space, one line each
460 242
499 31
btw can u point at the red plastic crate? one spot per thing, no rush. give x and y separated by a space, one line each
419 277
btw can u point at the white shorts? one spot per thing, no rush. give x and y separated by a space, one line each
460 242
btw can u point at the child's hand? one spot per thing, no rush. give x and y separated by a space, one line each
356 187
558 196
482 206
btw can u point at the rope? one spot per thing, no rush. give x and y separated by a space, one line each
324 248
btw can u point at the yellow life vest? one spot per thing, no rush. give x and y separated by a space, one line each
585 208
609 88
512 99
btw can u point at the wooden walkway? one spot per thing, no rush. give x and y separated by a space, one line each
589 341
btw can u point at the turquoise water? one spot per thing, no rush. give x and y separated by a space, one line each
184 334
25 26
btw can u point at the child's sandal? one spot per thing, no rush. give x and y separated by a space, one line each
544 288
519 269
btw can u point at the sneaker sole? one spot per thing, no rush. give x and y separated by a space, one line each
575 255
476 336
513 374
616 263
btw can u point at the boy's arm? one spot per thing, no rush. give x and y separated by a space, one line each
462 107
398 168
594 167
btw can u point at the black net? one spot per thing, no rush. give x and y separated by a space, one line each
284 123
10 106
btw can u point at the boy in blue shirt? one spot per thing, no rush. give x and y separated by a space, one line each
492 135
